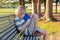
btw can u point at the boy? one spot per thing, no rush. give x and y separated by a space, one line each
22 20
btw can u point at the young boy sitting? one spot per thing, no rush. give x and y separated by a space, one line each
22 18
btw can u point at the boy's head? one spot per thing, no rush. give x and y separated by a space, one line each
20 11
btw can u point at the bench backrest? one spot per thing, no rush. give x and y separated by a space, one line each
7 28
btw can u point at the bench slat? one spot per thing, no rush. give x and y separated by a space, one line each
24 38
16 36
36 38
12 20
30 37
9 34
4 23
7 18
5 28
12 36
6 32
4 19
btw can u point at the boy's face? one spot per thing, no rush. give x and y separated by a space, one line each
22 15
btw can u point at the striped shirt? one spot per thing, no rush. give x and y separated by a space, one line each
19 22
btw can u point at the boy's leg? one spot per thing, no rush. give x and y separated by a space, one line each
35 17
45 34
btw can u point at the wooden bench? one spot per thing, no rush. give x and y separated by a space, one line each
8 30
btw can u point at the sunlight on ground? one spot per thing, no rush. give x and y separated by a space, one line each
53 29
50 26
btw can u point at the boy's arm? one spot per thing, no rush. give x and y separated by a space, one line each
36 18
25 25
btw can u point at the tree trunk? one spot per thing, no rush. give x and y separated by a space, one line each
44 5
39 8
56 6
34 6
22 2
48 14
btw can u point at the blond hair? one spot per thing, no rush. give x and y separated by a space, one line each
20 10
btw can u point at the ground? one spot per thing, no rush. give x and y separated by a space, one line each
53 29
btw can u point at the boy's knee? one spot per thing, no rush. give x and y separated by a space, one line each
35 15
45 33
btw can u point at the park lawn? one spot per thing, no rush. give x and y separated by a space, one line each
49 26
8 11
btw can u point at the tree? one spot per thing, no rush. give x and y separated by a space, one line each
34 6
39 8
48 13
2 2
44 1
56 5
29 1
22 2
44 5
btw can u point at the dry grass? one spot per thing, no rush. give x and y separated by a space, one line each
53 28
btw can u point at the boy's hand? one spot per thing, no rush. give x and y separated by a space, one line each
36 33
